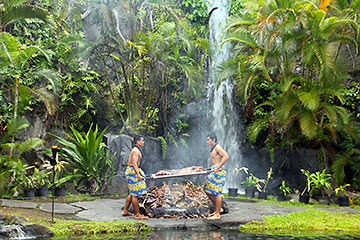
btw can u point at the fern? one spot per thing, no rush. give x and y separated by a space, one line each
163 146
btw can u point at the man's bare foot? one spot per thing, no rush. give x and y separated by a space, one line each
214 217
221 211
140 216
127 213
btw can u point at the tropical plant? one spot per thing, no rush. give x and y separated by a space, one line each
293 47
163 146
13 169
284 189
11 11
253 182
269 176
14 57
41 178
20 175
158 62
342 189
308 181
59 176
88 156
316 181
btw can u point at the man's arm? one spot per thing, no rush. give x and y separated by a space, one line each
224 157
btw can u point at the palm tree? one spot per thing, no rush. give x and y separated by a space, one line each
14 10
294 47
139 68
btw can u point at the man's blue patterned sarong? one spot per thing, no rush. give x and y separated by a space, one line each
215 182
136 187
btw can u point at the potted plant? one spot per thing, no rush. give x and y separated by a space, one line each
233 191
315 181
319 181
263 194
41 182
251 184
284 190
28 185
343 198
304 197
58 179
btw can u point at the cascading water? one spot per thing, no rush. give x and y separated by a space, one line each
225 121
13 231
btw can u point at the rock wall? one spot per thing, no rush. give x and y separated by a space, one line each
286 167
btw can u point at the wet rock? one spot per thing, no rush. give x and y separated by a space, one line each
38 230
11 227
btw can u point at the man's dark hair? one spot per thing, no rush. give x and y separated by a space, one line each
212 136
135 139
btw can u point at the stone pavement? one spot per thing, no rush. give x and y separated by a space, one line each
240 212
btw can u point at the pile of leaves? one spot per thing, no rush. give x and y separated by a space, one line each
176 201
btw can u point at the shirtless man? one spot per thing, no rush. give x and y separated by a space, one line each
215 181
135 179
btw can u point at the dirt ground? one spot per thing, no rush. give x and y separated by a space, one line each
34 213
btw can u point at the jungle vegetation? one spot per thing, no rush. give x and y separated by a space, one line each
74 68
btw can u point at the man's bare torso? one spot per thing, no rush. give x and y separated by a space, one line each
215 155
134 157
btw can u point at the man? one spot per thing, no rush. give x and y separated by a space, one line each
135 178
215 181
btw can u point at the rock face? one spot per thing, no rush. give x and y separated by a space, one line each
286 167
151 161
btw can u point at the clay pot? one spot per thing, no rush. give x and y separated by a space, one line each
343 201
304 198
263 195
60 191
42 191
250 192
30 192
233 192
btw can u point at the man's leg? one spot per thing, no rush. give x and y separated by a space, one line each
127 205
211 197
135 203
218 203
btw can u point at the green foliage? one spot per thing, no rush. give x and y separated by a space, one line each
289 75
163 146
41 178
284 189
316 181
342 189
313 220
71 228
88 156
197 12
236 7
11 11
252 181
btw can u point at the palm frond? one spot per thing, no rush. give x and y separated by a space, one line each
255 128
50 76
310 100
308 124
47 98
22 12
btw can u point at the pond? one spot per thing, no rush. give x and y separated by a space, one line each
218 235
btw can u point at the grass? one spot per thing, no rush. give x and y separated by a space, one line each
66 228
313 220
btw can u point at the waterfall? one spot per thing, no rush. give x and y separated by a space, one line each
13 231
225 121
